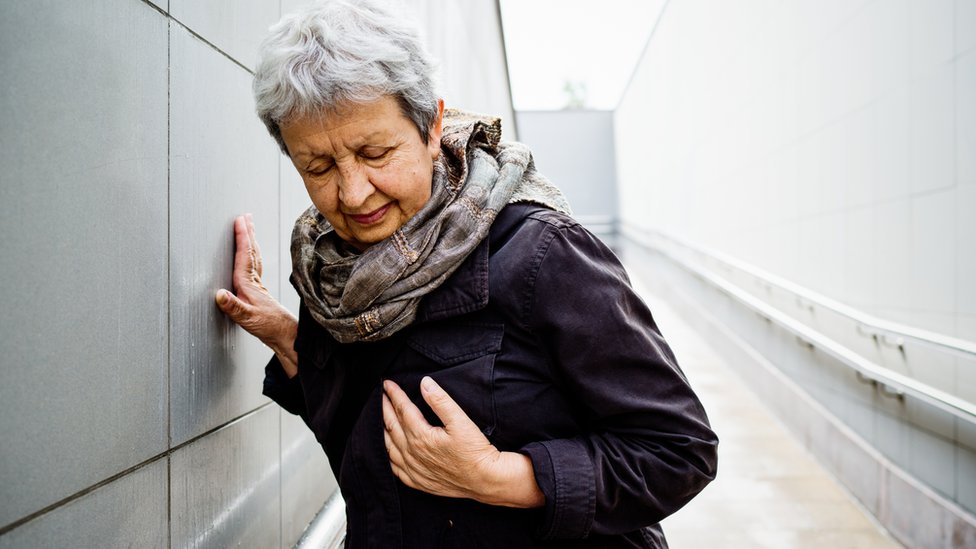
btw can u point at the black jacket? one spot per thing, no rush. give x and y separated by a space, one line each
539 337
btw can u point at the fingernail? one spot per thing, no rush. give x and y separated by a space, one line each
427 384
221 297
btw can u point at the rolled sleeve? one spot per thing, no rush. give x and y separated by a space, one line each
564 473
287 392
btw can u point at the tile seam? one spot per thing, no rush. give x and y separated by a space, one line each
198 36
127 471
169 295
212 46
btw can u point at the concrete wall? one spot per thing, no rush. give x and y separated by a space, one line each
130 409
575 150
830 143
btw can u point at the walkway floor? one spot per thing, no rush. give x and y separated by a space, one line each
770 492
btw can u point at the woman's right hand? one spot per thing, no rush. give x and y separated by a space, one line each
253 307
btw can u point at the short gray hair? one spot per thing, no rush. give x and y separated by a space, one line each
336 52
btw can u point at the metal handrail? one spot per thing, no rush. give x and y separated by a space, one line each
328 529
865 368
886 331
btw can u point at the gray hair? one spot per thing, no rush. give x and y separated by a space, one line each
337 52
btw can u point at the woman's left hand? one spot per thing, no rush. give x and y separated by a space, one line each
455 460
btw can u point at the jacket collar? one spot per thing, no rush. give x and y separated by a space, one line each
465 291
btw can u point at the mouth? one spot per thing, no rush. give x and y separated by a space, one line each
371 217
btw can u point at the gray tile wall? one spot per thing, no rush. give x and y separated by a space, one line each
305 475
216 174
130 409
83 219
129 144
236 27
130 512
224 487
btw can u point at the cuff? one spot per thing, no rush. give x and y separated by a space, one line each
287 392
564 473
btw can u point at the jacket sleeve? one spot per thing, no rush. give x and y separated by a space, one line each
287 392
648 448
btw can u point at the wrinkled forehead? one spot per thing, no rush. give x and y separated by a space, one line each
352 127
340 107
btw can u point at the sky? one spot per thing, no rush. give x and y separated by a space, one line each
591 44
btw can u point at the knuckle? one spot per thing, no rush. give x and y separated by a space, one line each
400 408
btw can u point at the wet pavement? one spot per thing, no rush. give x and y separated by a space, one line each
769 492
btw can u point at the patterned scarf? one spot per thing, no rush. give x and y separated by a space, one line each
371 295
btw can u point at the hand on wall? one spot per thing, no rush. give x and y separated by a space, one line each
251 306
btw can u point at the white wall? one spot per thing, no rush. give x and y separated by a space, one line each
574 149
829 142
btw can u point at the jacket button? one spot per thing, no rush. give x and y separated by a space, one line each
450 523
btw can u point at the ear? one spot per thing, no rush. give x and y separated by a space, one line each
436 131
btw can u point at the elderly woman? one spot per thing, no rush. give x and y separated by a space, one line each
474 363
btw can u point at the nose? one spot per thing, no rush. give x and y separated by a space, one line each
354 186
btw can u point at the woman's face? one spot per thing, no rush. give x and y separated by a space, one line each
365 167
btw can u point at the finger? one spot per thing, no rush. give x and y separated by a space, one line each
233 307
410 418
400 449
253 255
255 249
443 405
404 476
242 252
396 457
393 430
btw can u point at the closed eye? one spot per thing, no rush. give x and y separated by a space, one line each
373 154
318 171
